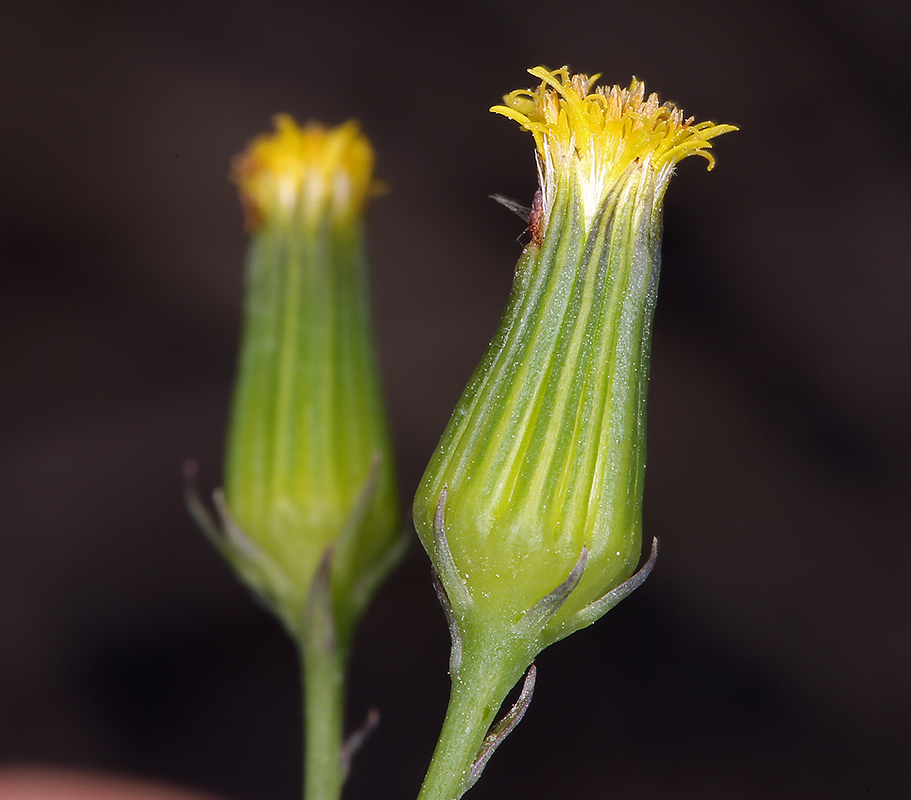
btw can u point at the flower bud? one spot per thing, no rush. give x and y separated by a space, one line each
309 471
541 466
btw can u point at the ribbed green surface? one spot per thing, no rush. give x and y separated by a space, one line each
546 450
307 416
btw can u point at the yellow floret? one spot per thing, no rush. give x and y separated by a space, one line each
304 170
596 134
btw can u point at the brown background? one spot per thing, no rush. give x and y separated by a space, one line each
769 653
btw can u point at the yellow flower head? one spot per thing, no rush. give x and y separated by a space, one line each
305 171
594 135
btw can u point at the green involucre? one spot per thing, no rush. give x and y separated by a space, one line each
307 424
545 452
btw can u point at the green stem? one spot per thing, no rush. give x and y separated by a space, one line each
323 664
478 690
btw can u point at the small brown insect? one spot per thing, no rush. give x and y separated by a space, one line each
534 216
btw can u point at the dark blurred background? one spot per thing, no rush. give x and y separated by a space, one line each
769 653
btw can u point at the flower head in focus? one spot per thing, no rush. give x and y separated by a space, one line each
537 482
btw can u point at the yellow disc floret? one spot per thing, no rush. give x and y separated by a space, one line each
596 134
305 171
